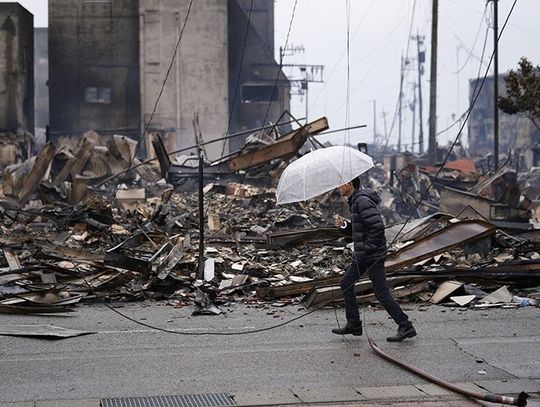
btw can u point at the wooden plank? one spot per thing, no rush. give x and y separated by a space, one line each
295 289
398 293
333 294
278 150
75 165
284 146
37 173
301 236
79 189
12 260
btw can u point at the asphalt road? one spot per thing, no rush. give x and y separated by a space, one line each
124 359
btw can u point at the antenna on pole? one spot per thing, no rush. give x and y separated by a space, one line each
305 74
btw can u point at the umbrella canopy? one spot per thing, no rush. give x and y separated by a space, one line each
320 171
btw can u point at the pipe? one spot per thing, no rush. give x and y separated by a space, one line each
492 398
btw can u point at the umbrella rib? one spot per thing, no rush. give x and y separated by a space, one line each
305 182
337 169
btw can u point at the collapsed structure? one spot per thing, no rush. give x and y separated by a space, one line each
95 224
117 87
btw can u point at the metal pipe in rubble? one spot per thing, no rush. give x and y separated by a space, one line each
201 215
492 398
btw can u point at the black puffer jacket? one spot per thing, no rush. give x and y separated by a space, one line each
367 228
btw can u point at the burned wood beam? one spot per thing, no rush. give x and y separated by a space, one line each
122 261
284 239
75 164
12 260
285 146
397 293
50 250
333 294
439 242
161 155
295 289
172 258
79 190
37 173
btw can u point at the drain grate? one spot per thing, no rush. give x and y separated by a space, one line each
188 400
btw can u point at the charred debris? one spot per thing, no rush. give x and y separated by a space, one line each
94 224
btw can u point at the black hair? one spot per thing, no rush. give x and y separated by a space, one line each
356 183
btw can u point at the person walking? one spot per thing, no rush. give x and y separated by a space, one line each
367 231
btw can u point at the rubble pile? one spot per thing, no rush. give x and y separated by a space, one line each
93 224
57 256
254 251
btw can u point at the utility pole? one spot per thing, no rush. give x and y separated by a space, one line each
413 108
432 147
421 60
305 87
496 82
198 136
458 110
400 102
307 74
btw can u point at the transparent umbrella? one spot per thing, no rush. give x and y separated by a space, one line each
320 171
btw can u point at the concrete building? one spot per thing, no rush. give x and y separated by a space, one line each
515 131
263 91
108 66
198 80
93 67
41 90
16 69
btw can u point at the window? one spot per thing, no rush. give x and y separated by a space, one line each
259 93
97 95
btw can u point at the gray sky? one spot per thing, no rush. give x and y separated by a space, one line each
378 37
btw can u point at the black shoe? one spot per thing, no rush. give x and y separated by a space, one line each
404 331
352 328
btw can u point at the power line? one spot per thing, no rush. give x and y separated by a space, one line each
279 72
380 48
476 82
470 52
115 25
238 77
402 73
164 81
336 64
348 79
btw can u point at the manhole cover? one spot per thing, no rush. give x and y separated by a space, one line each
189 400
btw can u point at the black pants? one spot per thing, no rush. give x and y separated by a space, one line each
380 287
